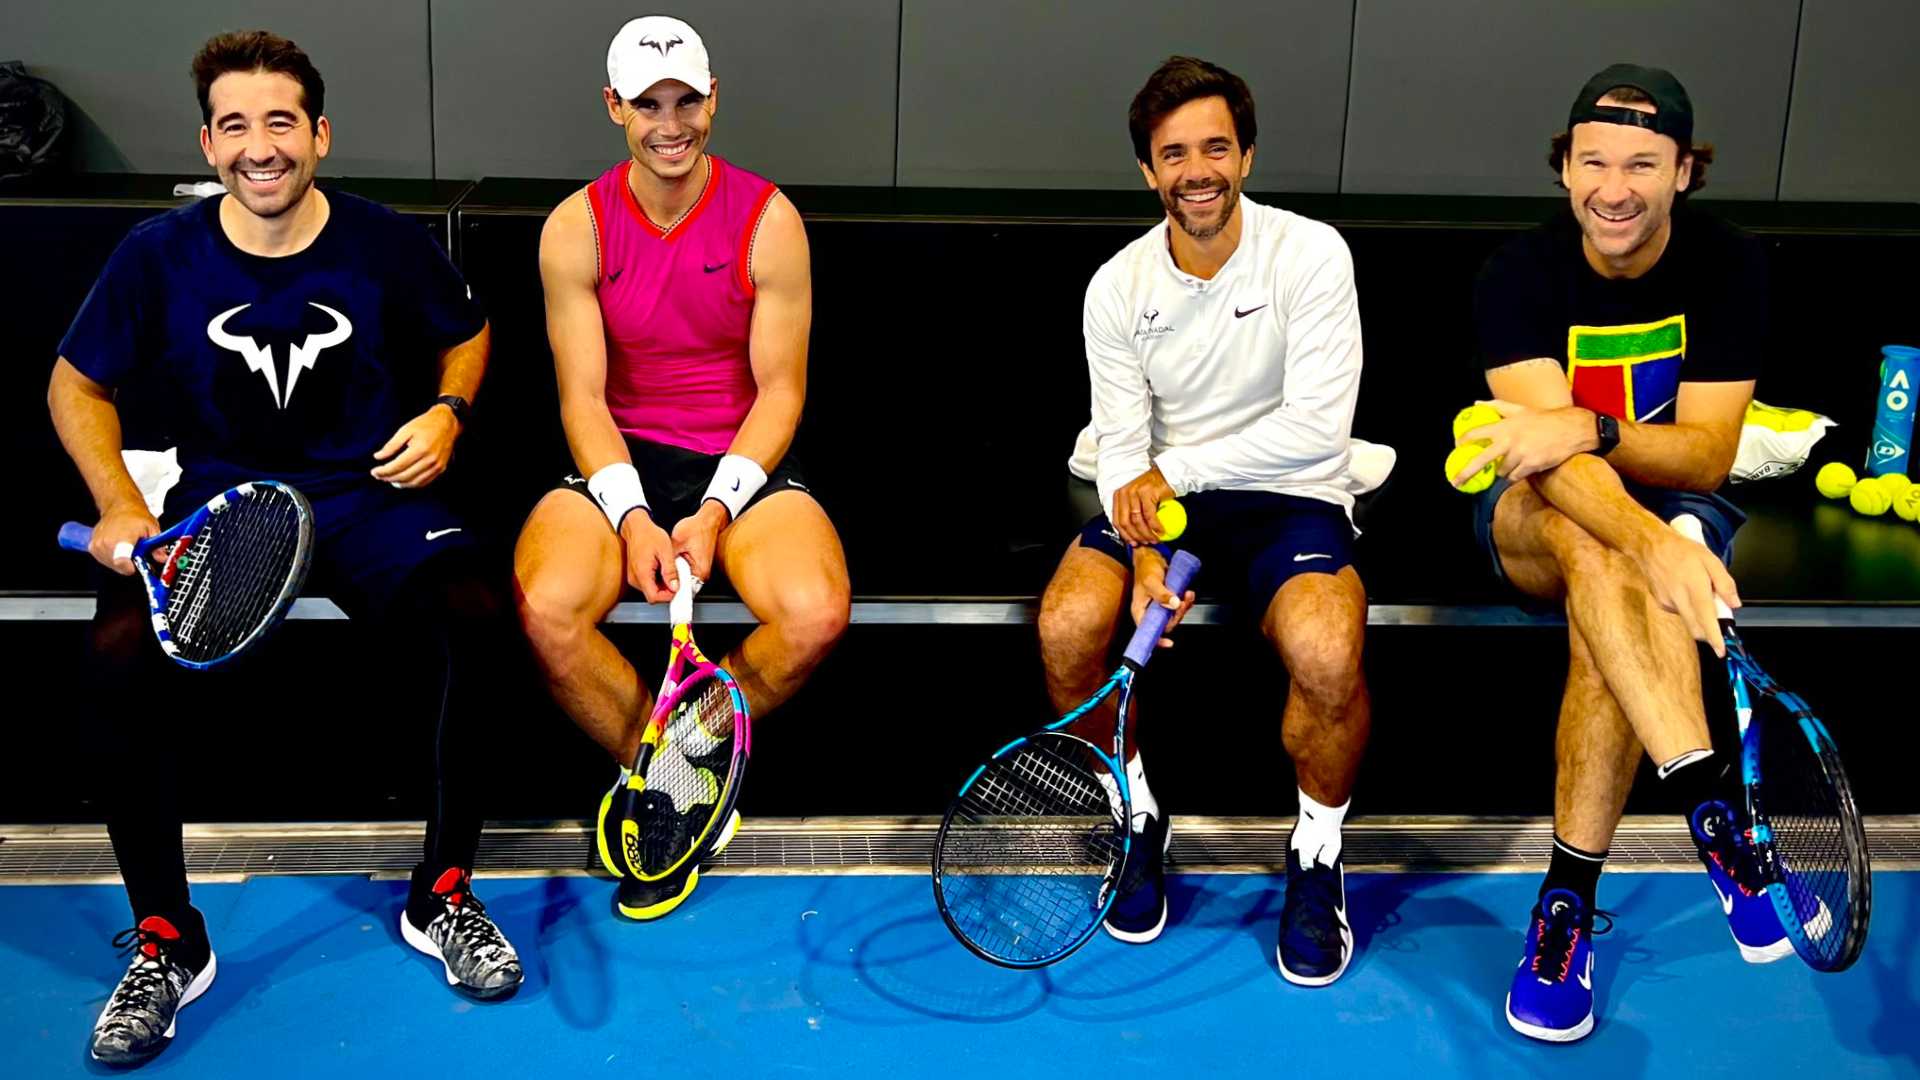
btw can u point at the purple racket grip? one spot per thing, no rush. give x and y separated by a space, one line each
75 536
1153 625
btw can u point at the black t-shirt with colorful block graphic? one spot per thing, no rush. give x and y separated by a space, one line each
1700 315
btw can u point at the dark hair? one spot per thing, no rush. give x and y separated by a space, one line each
256 50
1174 83
1562 144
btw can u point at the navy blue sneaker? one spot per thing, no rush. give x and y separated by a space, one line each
1733 868
1139 913
1316 941
1552 994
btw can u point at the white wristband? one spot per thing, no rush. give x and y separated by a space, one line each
736 481
616 488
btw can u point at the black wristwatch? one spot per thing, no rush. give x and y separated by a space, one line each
458 404
1607 430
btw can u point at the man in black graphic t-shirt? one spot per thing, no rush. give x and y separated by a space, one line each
1622 341
293 334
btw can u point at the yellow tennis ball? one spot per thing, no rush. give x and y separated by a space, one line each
1907 503
1800 420
1834 480
1461 457
1474 416
1173 519
1870 497
1895 483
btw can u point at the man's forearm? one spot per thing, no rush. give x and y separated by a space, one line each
767 431
464 366
592 437
1687 457
89 429
1588 491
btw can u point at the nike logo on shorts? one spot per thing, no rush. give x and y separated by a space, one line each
1238 314
435 534
1304 558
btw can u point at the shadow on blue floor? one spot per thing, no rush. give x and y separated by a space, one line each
858 976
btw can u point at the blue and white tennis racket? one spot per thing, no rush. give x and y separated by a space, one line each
1799 817
220 579
1032 850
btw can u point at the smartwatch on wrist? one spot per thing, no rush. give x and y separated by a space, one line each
458 404
1607 430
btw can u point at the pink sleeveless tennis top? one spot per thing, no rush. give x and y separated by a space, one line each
677 305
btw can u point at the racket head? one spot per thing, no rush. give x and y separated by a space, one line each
1030 852
1806 829
687 778
222 577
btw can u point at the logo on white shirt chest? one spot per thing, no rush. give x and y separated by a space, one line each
1150 325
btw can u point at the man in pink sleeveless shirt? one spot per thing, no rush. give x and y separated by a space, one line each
679 300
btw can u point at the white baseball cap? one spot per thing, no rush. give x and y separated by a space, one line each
655 47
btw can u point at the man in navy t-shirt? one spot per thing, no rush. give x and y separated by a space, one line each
308 336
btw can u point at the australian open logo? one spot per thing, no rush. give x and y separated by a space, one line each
1150 325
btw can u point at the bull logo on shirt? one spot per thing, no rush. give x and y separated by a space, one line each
300 357
662 47
1148 325
1628 372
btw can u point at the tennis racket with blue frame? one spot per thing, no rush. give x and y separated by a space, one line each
223 576
1032 850
1806 833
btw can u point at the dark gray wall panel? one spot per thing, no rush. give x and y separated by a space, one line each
124 65
806 88
1460 98
1010 93
1854 128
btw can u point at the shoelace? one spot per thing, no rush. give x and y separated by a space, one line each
469 924
1315 888
146 976
1558 935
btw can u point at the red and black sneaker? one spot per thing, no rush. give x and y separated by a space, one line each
161 979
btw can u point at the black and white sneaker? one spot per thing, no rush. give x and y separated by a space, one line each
1139 913
454 929
140 1017
1315 940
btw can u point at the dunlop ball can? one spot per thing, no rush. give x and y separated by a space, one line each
1893 416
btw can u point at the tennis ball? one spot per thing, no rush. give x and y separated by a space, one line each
1907 503
1870 497
1800 420
1461 457
1895 483
1474 416
1834 480
1173 519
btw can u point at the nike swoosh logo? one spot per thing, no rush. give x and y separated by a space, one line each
1586 979
614 275
711 267
1238 314
1648 416
436 534
736 483
1304 558
1726 902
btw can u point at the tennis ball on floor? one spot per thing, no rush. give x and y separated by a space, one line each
1834 480
1474 416
1173 519
1895 483
1461 457
1907 503
1870 497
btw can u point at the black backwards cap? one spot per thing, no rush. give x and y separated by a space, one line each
1674 118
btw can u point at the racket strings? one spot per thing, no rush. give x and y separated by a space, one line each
1805 820
1029 852
234 572
688 776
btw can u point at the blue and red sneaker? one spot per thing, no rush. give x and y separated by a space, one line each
1552 993
1726 850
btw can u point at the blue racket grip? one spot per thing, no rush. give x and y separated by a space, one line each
75 536
1153 624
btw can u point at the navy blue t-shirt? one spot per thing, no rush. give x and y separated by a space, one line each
297 367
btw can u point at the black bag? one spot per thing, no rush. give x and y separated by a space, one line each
33 123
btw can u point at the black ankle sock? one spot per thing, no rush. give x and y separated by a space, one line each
1694 781
1574 870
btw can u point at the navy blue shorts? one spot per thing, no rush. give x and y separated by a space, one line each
1719 519
368 538
1249 543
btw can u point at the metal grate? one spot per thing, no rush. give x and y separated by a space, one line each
71 854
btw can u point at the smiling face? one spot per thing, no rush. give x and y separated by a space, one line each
667 126
261 141
1198 166
1623 182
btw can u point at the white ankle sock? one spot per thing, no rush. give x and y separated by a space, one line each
1143 800
1316 836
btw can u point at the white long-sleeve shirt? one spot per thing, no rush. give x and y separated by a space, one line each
1245 381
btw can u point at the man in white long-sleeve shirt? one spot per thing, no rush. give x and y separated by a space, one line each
1224 352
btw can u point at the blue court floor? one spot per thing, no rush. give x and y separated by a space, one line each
856 976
